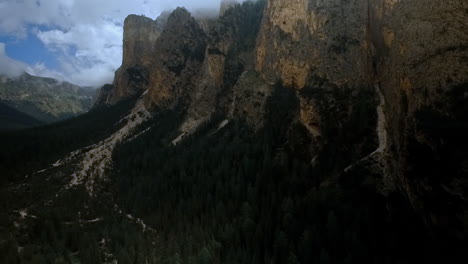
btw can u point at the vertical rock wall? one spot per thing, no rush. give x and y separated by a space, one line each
140 35
416 52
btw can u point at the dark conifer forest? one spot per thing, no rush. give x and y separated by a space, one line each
229 195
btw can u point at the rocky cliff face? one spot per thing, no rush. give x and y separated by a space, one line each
302 41
420 58
180 53
415 53
313 46
193 63
386 80
284 131
140 35
211 58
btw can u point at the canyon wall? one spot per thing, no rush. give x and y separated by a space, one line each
406 59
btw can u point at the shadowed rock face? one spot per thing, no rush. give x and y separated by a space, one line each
181 51
197 66
316 47
187 62
420 53
103 94
416 52
225 5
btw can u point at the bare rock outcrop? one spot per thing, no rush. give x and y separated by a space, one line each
301 40
140 35
180 53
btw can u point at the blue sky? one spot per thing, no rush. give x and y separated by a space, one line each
79 41
30 50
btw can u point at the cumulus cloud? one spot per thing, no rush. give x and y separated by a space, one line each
84 35
14 68
87 53
9 66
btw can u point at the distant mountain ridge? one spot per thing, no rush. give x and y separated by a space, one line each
45 99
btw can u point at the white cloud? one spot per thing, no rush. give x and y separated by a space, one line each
88 54
14 68
9 66
85 35
39 69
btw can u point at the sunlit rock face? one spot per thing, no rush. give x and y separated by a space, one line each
140 34
303 40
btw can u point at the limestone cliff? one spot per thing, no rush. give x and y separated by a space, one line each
302 41
313 46
193 63
140 35
199 61
381 83
415 54
180 53
420 53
